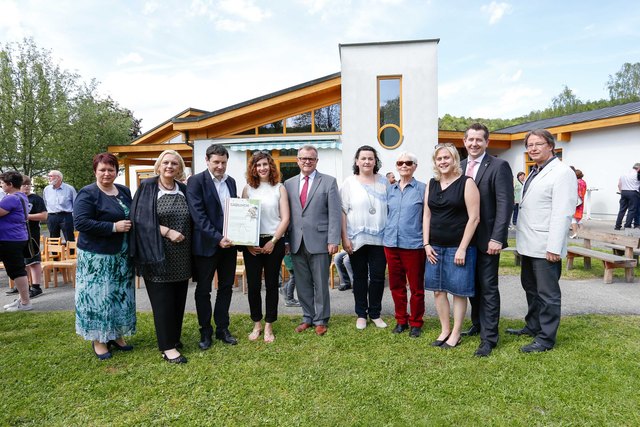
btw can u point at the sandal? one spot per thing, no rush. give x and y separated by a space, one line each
255 334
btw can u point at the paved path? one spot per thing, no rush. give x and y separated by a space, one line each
578 296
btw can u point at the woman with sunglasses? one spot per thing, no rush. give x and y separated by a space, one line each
450 218
403 245
364 214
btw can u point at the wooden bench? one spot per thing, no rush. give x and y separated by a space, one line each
619 250
515 252
610 261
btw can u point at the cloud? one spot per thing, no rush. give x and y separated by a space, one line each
133 57
149 7
11 21
496 11
229 15
245 9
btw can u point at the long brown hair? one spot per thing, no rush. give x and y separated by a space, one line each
252 175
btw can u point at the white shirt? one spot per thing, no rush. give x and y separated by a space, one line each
221 187
269 196
477 165
358 203
629 181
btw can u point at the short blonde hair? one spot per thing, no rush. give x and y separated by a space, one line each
156 166
454 154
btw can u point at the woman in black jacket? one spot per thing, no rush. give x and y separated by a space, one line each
105 297
161 249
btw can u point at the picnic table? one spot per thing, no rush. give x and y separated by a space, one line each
626 246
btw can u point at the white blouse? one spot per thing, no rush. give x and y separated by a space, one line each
366 210
269 196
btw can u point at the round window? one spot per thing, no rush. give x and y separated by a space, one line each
390 136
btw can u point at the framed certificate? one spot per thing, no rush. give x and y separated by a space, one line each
242 221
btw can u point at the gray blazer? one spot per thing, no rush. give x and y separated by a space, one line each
320 220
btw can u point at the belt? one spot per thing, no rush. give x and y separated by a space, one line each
266 235
60 213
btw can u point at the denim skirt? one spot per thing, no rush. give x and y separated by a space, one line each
448 277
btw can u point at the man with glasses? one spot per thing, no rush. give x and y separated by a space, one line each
494 180
59 197
549 197
314 235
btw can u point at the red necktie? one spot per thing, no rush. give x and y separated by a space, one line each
305 189
470 167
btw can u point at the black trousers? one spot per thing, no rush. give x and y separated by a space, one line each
270 264
167 300
222 262
485 305
369 264
628 201
61 221
540 281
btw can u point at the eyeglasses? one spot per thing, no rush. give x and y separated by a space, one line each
307 159
446 144
537 145
257 152
409 163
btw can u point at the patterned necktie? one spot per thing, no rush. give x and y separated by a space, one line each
471 165
305 189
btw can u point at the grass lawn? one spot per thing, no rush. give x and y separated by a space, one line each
348 377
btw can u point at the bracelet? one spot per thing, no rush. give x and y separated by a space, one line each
274 240
426 244
165 234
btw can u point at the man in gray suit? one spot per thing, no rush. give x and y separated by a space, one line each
314 235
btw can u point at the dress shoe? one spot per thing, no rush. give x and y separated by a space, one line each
114 343
484 349
344 287
473 330
321 329
205 343
446 346
302 327
534 347
400 328
415 332
225 336
519 332
180 359
438 343
103 356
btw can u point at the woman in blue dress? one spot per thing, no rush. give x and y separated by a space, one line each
105 297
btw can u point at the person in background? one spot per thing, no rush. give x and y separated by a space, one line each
263 183
391 178
577 216
450 218
161 249
14 238
59 198
517 195
345 271
364 214
628 185
37 213
105 297
403 245
548 201
287 289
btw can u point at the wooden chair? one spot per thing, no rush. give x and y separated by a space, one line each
56 261
240 273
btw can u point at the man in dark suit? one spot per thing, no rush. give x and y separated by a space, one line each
207 193
314 235
495 182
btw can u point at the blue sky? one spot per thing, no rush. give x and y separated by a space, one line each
495 58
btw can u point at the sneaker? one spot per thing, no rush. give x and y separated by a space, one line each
291 303
35 292
12 291
379 323
12 304
361 323
21 307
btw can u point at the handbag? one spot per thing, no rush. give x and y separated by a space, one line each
32 248
579 201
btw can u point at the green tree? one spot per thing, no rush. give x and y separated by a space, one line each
566 102
50 119
625 84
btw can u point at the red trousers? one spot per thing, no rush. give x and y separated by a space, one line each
407 265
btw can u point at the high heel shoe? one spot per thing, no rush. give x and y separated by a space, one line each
103 356
180 359
447 346
438 343
114 343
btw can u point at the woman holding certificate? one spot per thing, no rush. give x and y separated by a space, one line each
161 249
263 183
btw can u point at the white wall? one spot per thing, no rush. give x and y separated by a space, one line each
417 63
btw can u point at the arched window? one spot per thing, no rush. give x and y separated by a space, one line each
390 111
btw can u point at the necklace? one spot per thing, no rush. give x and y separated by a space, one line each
372 210
166 188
